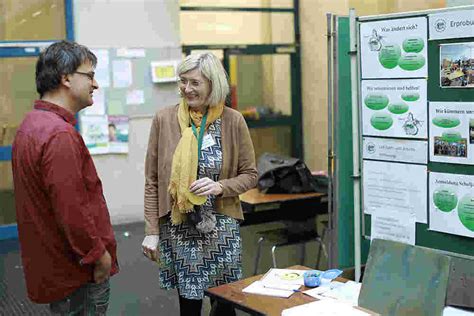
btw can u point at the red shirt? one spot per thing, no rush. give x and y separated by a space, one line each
63 221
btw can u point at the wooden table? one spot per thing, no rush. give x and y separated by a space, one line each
261 208
256 304
255 197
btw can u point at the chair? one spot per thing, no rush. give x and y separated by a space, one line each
292 236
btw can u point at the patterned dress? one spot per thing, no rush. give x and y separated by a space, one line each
190 260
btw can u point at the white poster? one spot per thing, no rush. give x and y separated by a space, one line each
396 226
122 73
453 24
394 108
452 132
401 150
394 48
95 133
452 203
98 107
102 71
395 187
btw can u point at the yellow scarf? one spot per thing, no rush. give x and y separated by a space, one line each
185 166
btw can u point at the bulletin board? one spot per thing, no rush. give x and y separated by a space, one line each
416 103
126 91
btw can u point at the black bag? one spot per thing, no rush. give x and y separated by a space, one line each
280 174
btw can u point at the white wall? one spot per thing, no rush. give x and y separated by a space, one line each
455 3
131 24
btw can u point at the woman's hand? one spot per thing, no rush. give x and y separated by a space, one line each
205 186
150 247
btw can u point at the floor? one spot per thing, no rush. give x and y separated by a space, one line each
135 289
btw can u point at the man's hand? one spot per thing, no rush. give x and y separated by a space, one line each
102 268
150 247
205 186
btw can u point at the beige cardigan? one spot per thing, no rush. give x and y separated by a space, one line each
238 173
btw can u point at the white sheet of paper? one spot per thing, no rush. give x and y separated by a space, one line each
324 307
258 287
98 108
394 40
102 71
131 52
453 311
395 186
317 291
451 24
135 96
122 73
452 132
396 226
452 203
347 292
403 103
399 150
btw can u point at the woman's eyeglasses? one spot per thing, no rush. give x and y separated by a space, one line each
193 83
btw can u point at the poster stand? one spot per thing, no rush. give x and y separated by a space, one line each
405 107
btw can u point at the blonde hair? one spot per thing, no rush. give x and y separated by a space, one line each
211 68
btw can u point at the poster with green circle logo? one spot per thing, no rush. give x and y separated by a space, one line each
466 211
389 56
394 48
445 199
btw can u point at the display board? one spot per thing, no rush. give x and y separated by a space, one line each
128 88
416 96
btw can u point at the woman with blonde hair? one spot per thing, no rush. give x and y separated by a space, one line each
200 158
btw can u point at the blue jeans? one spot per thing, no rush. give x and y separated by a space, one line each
91 299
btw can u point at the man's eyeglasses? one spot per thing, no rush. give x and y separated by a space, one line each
88 74
193 83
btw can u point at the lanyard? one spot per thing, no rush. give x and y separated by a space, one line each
201 133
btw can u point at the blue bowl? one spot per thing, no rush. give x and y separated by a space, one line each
312 278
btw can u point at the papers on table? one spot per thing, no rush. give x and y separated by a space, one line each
277 282
258 287
317 291
453 311
325 307
284 276
346 292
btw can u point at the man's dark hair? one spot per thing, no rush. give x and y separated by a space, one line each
58 59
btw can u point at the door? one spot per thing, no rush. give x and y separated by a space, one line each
24 31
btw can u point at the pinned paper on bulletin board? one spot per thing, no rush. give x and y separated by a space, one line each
164 71
102 71
122 73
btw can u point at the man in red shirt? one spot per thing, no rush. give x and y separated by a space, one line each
68 247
